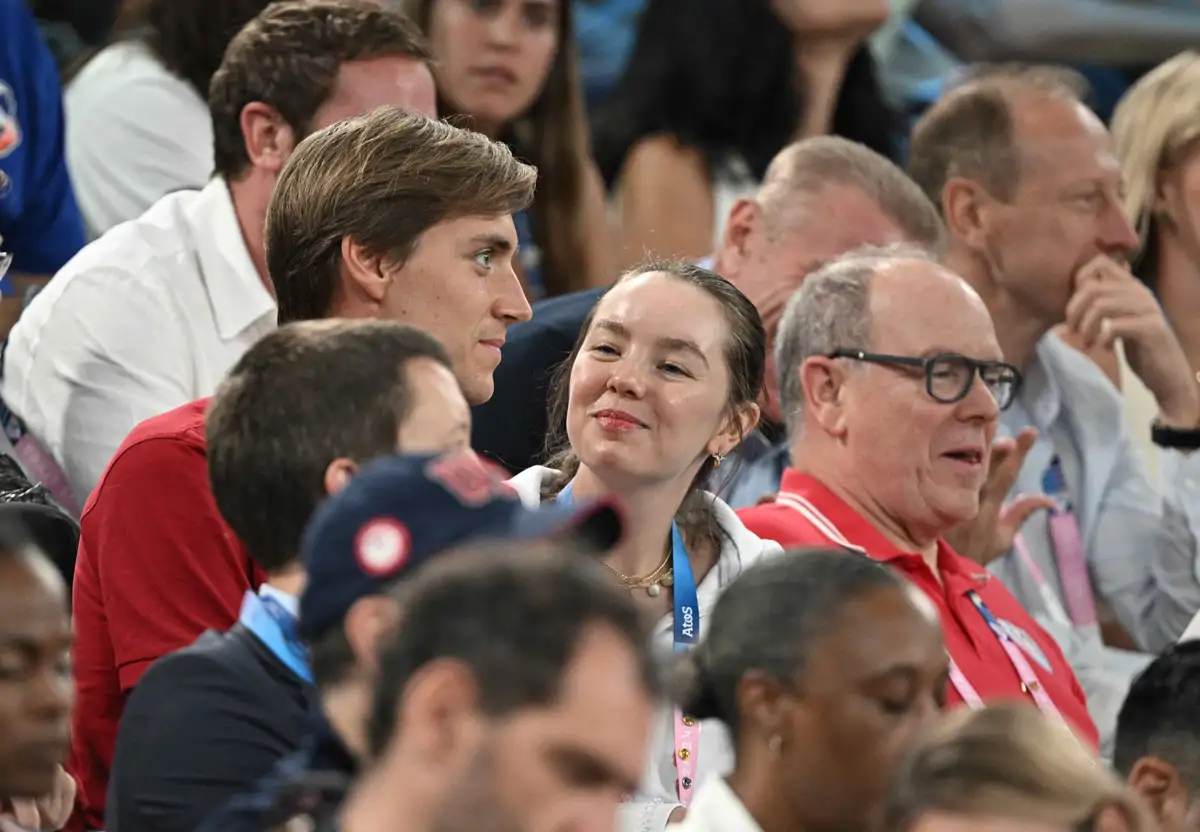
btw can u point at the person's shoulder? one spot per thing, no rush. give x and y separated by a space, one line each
183 425
206 660
1075 373
775 521
741 539
563 315
661 157
116 70
170 444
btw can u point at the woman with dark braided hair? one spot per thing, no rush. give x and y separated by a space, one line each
138 126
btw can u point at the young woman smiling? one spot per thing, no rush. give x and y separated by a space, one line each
659 389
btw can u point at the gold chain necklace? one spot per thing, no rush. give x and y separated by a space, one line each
653 583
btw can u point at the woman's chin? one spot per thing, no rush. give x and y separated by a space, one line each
612 460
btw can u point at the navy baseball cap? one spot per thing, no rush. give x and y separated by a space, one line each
400 511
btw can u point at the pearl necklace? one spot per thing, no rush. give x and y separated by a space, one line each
653 583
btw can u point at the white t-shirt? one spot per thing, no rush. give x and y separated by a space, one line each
147 318
135 133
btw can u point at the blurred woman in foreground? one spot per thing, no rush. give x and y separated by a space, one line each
825 666
1008 768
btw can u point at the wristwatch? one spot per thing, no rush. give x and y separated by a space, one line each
1183 439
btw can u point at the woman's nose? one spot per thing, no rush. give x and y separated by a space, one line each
626 380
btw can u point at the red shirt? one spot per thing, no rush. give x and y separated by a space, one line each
969 639
157 567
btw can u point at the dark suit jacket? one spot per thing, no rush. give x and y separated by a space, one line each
511 427
203 724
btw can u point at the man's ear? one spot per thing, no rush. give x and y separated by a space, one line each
966 207
823 381
366 271
745 220
1159 784
268 138
439 714
367 623
338 474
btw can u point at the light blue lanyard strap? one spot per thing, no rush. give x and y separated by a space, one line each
275 627
687 605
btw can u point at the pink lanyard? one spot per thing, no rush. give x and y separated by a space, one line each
1029 680
687 736
1072 566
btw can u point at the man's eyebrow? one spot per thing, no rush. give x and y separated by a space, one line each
493 240
582 767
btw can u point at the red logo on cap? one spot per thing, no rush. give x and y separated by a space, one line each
382 546
472 481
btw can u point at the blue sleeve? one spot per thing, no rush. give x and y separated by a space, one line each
39 218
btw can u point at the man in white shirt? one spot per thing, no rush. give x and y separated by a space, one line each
1029 186
153 314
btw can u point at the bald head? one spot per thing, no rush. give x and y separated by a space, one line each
805 172
909 297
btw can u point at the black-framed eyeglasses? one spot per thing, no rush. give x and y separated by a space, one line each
949 376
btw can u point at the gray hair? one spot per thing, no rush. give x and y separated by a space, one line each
830 311
809 166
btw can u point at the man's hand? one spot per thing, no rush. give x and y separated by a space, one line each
991 533
1110 303
48 813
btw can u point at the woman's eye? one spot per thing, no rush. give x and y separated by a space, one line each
538 15
605 349
484 258
674 369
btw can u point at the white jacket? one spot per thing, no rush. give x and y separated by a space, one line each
649 809
715 808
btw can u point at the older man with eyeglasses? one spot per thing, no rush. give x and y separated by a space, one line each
892 382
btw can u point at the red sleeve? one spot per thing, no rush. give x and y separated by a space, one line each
169 568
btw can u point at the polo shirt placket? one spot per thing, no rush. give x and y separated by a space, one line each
808 513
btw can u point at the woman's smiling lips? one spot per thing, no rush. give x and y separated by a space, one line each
618 420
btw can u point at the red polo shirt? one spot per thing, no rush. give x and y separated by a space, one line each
157 567
969 639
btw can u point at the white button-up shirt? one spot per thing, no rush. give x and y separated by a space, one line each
147 318
1140 549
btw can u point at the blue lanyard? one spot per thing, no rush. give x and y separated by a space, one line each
275 627
687 606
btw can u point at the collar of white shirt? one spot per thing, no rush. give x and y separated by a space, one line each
716 808
235 289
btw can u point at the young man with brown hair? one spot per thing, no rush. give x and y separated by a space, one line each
374 218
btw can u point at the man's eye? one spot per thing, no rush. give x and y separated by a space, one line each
484 258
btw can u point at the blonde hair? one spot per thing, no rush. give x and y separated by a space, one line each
1153 126
1009 761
